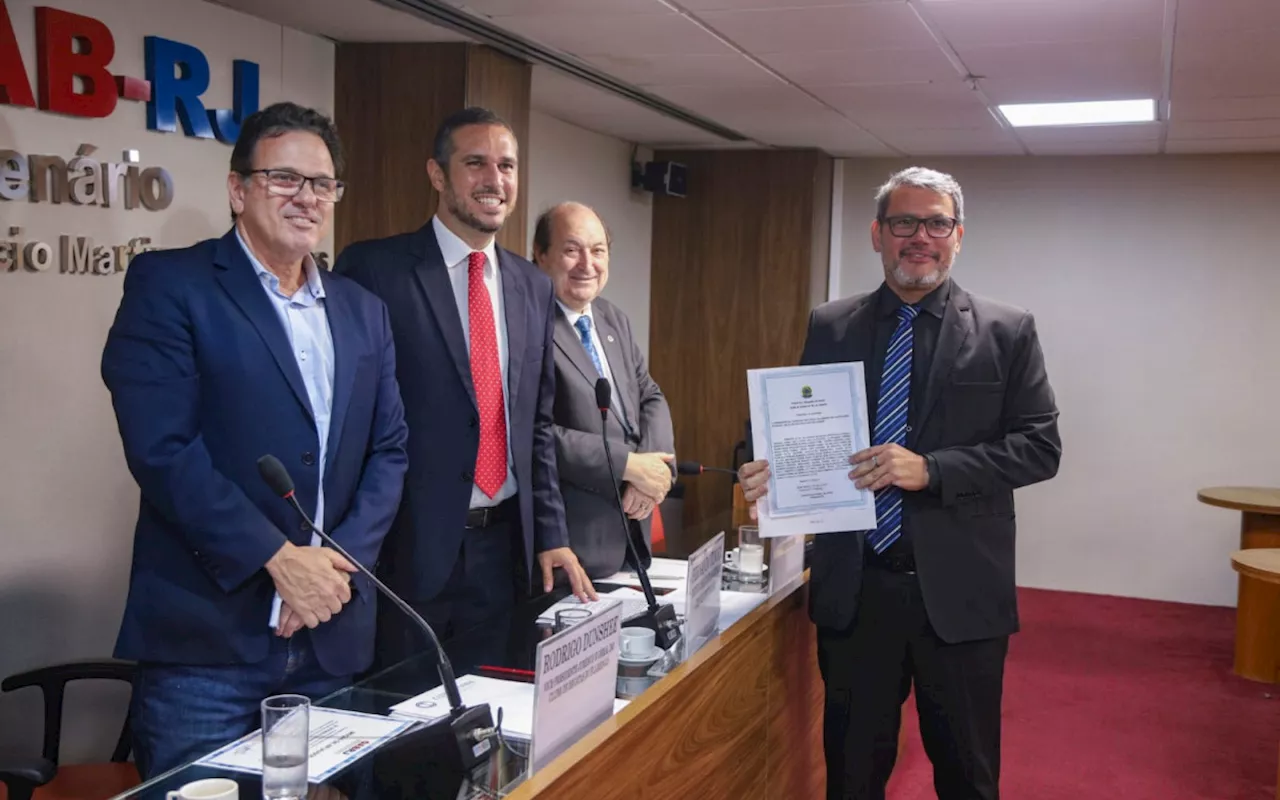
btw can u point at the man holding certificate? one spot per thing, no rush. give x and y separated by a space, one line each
961 414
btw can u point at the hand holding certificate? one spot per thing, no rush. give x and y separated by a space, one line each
807 422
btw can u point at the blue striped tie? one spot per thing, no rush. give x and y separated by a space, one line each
891 424
584 332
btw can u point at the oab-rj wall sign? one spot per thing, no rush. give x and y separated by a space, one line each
73 78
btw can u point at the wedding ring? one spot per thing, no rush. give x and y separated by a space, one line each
875 462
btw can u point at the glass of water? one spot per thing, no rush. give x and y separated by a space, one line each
750 553
286 723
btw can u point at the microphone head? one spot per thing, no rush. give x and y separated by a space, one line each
688 468
276 476
604 394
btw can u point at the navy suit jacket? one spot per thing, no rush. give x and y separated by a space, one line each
204 382
408 272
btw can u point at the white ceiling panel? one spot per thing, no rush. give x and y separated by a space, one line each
507 8
1225 129
822 128
746 5
585 105
993 22
1090 134
1247 65
948 146
587 35
729 69
831 67
908 106
1055 72
1206 108
741 102
1202 21
1120 148
346 20
1269 145
860 27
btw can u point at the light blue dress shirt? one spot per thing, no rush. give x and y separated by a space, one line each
306 325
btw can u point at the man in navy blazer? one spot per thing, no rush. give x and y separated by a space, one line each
474 328
220 353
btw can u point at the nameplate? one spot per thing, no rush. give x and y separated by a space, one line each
786 561
702 608
575 682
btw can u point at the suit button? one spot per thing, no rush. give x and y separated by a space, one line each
467 477
308 459
302 526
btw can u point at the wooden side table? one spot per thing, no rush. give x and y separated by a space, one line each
1258 600
1263 564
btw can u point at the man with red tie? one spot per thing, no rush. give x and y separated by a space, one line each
473 327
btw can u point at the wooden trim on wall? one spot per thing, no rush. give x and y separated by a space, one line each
502 84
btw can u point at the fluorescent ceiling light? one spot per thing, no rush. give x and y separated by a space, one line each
1103 112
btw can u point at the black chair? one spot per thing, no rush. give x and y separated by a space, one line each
41 778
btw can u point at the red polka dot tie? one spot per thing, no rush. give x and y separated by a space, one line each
486 377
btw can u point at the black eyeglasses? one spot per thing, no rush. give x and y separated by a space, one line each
287 183
906 226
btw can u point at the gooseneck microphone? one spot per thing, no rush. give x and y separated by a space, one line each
661 619
463 721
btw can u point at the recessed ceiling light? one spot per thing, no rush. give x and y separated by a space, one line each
1102 112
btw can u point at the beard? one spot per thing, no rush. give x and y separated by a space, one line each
906 280
459 210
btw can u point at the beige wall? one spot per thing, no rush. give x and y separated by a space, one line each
569 163
1155 288
67 501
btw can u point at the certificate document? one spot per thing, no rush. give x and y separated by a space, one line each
807 421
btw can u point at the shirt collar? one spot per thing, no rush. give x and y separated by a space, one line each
456 252
935 302
573 316
314 286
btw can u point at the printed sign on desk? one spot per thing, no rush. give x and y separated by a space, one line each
702 608
786 561
575 683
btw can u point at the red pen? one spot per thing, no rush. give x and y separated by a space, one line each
523 673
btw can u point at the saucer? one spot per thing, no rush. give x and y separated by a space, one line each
654 655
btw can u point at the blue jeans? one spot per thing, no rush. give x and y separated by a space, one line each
180 713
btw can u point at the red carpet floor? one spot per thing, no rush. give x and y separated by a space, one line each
1122 699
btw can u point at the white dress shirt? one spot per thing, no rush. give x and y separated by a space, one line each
456 254
306 325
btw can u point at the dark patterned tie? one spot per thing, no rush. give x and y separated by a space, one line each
891 423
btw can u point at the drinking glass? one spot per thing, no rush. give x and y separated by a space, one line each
286 723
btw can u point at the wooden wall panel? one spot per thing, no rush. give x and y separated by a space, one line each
388 101
731 281
501 84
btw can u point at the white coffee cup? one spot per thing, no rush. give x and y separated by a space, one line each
207 789
637 643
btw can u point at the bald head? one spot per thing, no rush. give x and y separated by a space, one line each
571 245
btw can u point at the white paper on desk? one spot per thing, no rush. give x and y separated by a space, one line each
807 421
733 606
337 739
664 573
515 698
630 604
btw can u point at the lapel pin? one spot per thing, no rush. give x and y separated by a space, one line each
609 337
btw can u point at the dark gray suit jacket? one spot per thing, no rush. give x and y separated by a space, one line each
591 510
989 420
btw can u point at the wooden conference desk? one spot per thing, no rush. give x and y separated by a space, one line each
1258 601
740 720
